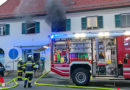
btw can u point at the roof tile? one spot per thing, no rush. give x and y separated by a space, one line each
9 8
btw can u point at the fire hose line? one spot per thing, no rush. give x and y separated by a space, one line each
69 86
13 80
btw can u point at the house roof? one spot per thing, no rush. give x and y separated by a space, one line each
10 8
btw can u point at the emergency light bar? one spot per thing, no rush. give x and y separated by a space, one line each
91 34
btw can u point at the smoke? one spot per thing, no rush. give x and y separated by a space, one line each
25 9
55 14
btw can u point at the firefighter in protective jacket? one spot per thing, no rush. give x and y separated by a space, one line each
20 69
29 67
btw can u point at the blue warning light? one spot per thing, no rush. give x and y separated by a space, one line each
52 36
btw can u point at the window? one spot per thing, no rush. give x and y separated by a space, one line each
61 26
4 29
92 22
122 20
125 20
30 28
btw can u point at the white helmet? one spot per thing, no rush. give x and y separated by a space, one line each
20 59
30 56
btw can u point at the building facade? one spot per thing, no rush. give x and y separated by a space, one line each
26 38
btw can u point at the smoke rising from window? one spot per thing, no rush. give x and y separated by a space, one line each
56 14
55 11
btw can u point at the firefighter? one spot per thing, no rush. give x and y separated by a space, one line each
20 69
29 67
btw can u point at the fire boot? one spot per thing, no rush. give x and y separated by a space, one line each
25 83
29 85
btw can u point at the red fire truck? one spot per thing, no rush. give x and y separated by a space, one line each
79 56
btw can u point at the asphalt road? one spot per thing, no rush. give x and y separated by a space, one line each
107 84
58 80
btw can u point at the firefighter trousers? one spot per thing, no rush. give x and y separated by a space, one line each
28 80
20 74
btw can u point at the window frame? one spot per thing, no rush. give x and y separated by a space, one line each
4 31
24 28
31 25
100 23
66 29
126 16
91 28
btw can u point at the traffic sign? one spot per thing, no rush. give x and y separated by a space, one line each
13 53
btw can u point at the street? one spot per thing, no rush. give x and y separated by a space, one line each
52 78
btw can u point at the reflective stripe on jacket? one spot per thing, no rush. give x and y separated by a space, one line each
20 66
29 66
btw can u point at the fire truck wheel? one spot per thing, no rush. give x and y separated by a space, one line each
80 76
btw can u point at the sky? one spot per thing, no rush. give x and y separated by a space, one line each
2 2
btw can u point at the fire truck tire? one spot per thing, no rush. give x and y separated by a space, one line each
81 76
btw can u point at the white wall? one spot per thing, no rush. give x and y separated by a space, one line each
16 38
108 19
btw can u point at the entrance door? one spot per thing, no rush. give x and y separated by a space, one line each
1 56
25 53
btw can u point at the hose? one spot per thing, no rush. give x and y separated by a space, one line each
13 80
70 86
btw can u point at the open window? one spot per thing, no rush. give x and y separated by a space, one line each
61 26
31 28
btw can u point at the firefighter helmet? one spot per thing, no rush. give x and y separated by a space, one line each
30 57
20 59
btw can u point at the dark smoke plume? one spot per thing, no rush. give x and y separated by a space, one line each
56 16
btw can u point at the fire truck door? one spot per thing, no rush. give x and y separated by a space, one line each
126 66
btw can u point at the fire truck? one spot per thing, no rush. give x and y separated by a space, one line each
91 54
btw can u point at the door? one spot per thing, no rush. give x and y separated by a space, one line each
36 57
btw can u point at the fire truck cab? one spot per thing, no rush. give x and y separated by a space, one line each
79 56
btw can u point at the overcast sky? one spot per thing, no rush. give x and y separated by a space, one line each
2 1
